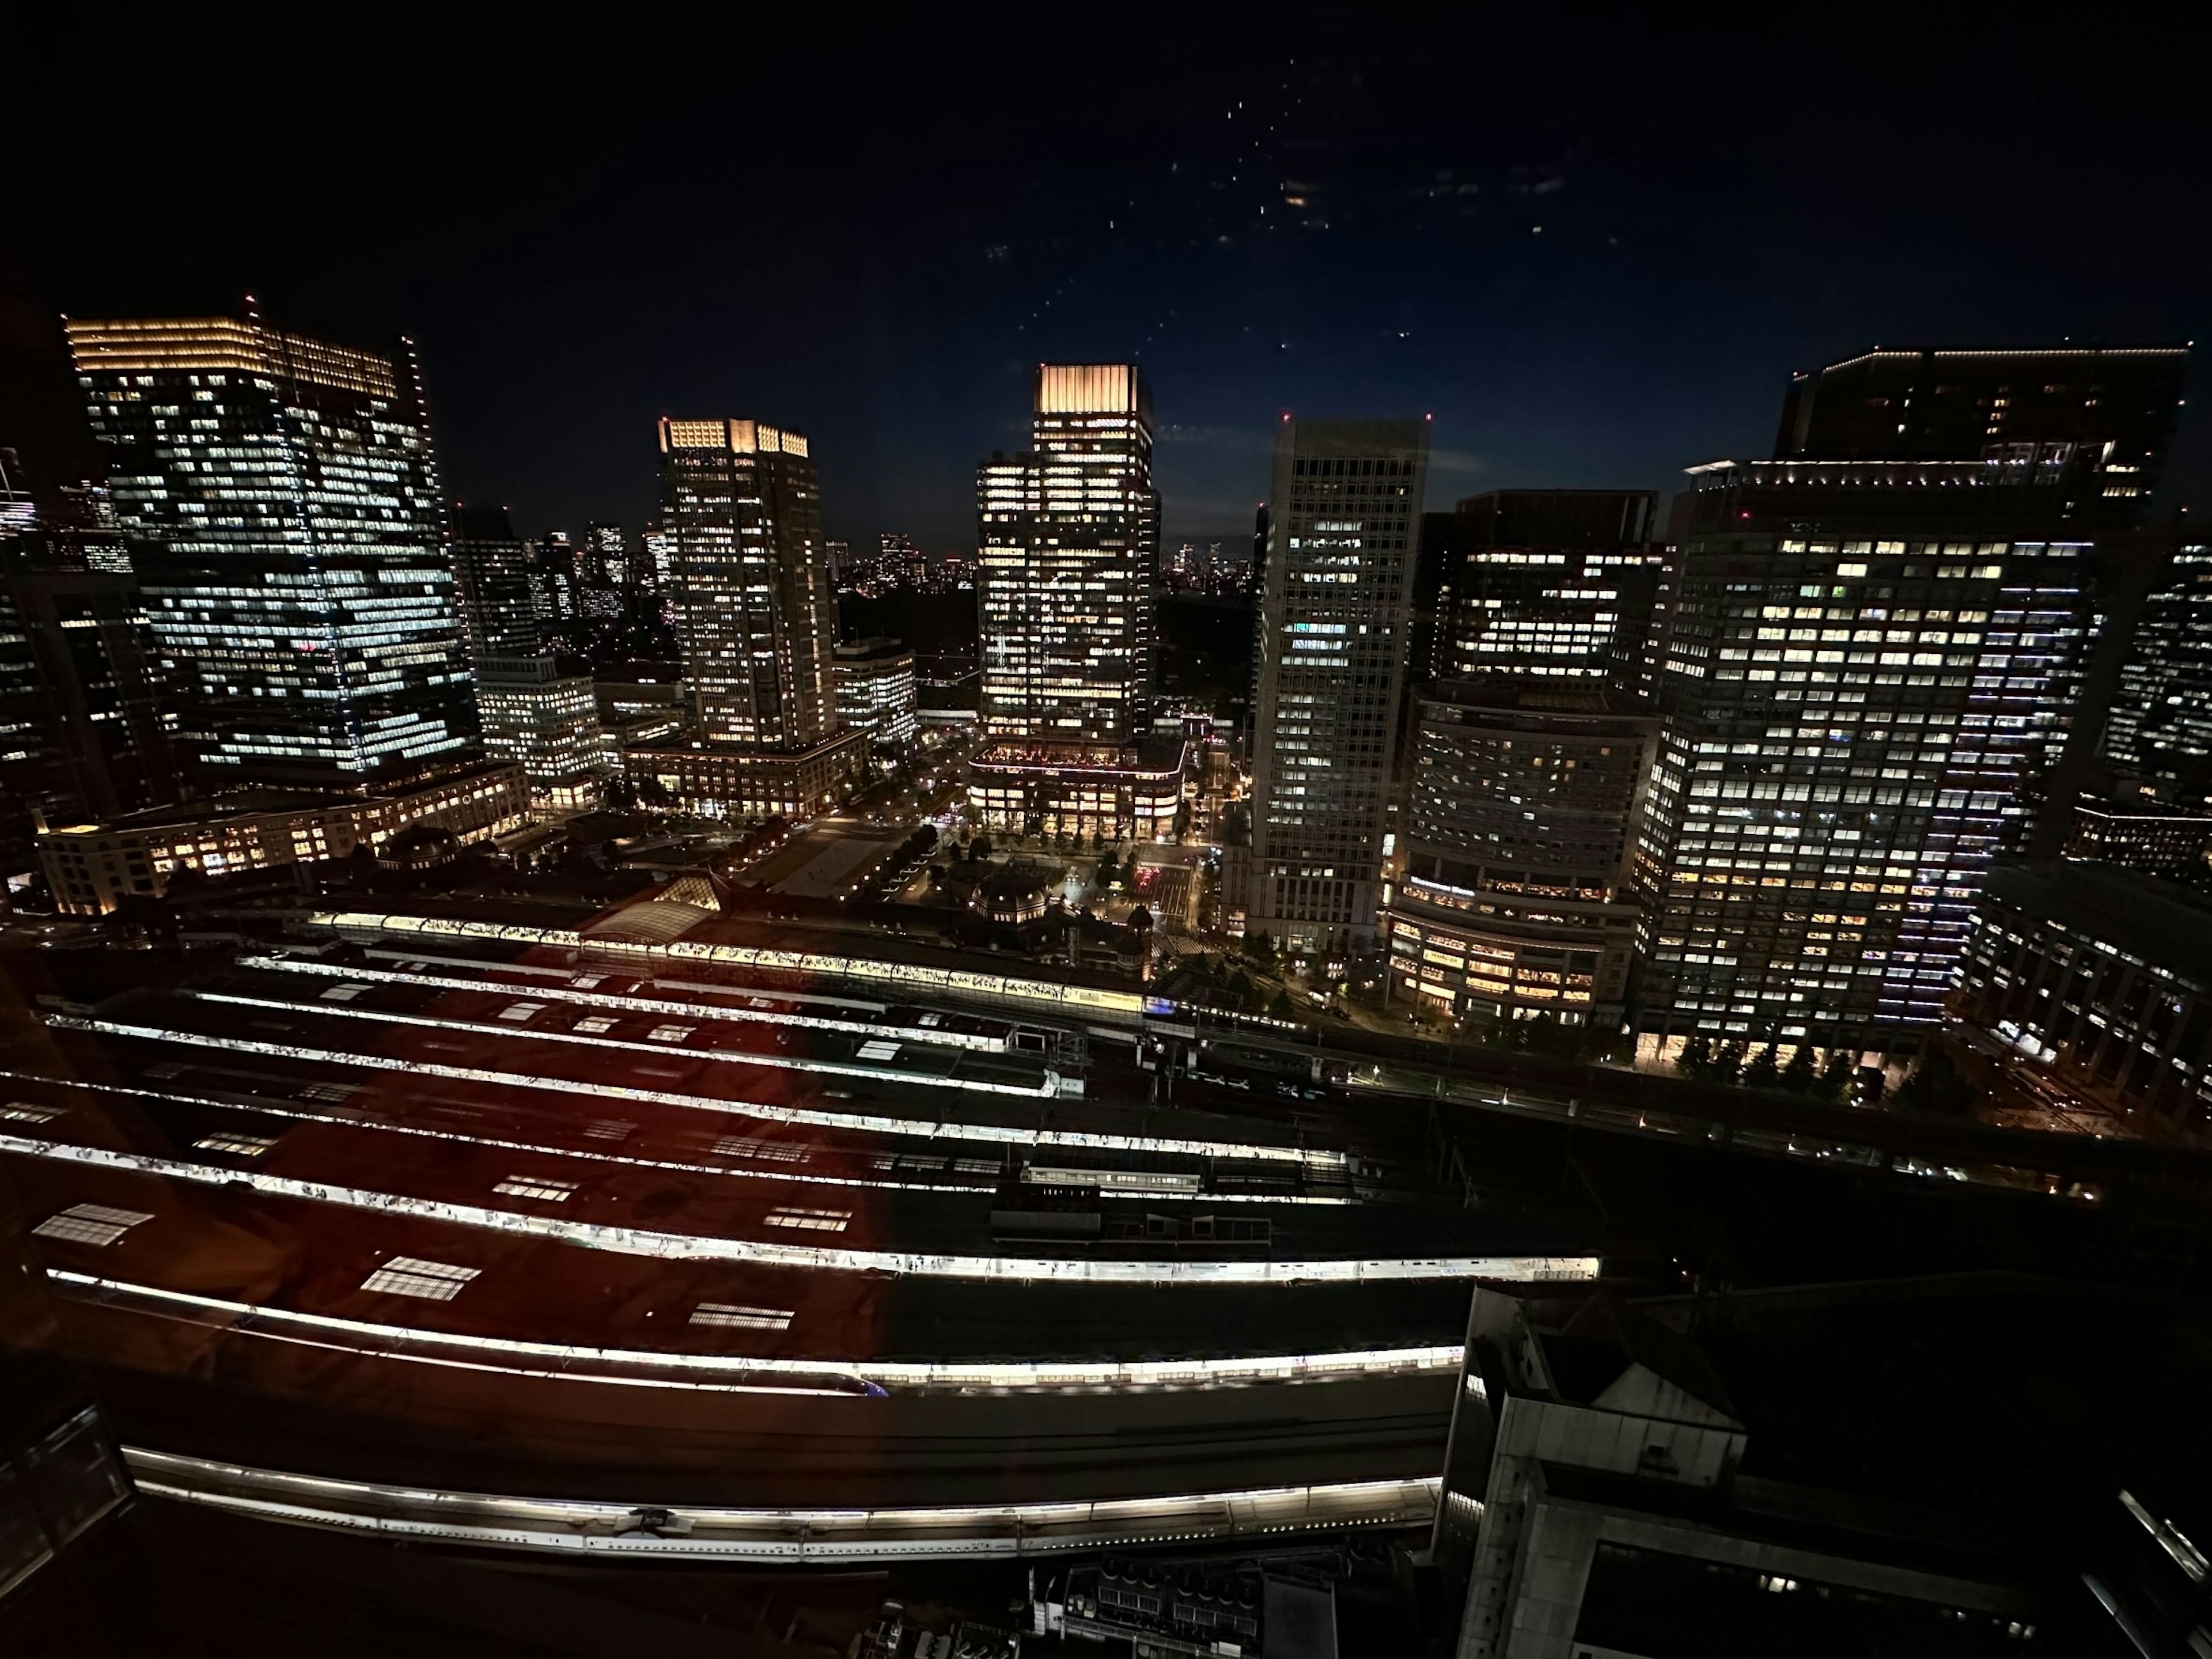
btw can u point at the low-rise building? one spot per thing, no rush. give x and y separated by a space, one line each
1131 790
544 717
1516 897
725 781
2104 977
876 689
92 866
2158 840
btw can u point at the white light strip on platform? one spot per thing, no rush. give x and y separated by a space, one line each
992 1376
1044 1090
689 1247
866 1123
928 1035
780 1535
1129 1005
262 1106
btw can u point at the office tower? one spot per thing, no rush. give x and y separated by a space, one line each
542 714
1872 659
280 498
609 550
537 710
1068 535
755 613
659 558
1595 520
2090 424
876 689
838 556
81 727
494 572
2159 736
900 562
756 621
1850 721
557 584
1557 584
1517 896
1335 614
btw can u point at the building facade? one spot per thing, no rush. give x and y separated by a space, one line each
2158 738
2089 425
729 781
91 867
2103 978
876 689
543 715
1068 536
1848 727
280 500
1516 897
1343 518
495 578
1129 792
756 615
2154 839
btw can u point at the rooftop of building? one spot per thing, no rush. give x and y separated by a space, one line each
260 802
1149 755
1518 696
876 648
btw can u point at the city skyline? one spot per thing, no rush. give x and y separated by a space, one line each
1564 302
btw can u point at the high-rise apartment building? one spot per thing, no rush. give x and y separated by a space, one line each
1335 613
280 498
755 612
1068 534
755 616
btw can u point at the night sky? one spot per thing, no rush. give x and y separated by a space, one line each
1594 250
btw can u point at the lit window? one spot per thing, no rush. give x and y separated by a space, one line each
344 993
91 1223
29 1111
535 1187
809 1221
769 1152
409 1275
237 1146
596 1024
670 1033
609 1128
877 1048
518 1013
738 1317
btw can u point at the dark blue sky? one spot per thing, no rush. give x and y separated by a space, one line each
1593 249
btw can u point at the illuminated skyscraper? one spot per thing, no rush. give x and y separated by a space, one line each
280 499
755 611
1069 536
757 619
1871 656
494 570
2158 738
1335 614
